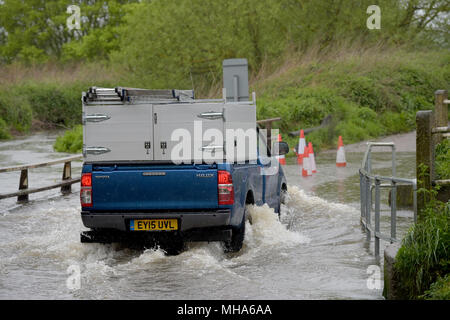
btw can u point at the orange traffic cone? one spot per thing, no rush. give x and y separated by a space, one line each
340 157
312 159
301 147
306 169
281 158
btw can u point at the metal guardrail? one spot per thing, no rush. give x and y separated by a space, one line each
370 181
24 191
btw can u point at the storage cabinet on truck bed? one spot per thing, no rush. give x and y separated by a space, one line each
147 131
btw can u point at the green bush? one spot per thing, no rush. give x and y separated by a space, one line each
415 85
4 130
424 255
299 107
442 160
71 141
50 103
54 104
397 122
439 290
16 111
364 91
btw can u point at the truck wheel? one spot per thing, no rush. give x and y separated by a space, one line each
283 195
97 236
237 236
173 248
278 209
282 200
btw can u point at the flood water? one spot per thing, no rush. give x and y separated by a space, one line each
317 251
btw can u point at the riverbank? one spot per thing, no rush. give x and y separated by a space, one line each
369 92
404 142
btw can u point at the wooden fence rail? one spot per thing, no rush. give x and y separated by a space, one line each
24 191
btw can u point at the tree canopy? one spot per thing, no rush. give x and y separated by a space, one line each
36 30
181 39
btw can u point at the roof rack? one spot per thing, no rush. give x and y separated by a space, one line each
120 95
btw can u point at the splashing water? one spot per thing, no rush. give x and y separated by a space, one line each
299 199
267 230
272 246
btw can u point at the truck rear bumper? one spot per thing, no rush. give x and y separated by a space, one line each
187 220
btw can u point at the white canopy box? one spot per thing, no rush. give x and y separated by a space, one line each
124 124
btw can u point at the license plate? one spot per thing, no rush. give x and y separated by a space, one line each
154 225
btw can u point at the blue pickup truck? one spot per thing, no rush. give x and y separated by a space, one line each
170 204
161 166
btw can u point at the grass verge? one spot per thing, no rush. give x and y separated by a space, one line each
423 261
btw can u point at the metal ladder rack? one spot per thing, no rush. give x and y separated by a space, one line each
121 95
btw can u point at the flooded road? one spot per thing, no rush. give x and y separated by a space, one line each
317 251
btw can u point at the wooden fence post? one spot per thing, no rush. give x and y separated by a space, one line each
440 113
23 184
268 126
67 174
269 136
424 155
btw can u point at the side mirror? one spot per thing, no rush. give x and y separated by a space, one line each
282 147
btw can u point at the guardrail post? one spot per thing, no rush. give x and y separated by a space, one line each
377 217
440 112
362 191
67 174
23 184
424 154
394 211
368 198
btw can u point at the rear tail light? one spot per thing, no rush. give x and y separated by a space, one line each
225 188
86 190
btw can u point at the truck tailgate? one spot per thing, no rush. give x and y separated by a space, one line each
154 187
